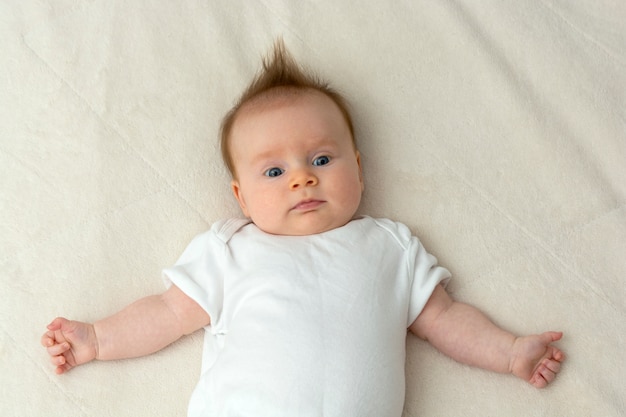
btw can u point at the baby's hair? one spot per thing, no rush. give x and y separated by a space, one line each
280 74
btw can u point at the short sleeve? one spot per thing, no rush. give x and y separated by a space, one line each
426 273
199 274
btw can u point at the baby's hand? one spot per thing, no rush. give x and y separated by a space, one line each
69 343
535 360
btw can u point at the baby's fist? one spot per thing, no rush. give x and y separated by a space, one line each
69 343
535 360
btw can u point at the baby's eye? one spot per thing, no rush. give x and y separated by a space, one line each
321 160
274 172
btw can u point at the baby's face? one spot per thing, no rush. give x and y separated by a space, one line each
297 170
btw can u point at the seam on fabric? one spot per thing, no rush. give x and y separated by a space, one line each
128 148
591 39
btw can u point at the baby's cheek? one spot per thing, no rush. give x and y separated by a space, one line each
351 199
266 212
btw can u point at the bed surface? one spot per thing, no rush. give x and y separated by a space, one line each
495 130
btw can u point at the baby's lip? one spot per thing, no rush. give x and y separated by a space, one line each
308 204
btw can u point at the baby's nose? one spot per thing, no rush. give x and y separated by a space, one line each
303 179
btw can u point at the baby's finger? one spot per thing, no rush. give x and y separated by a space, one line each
56 324
558 355
552 365
538 381
58 349
46 340
58 360
62 369
547 374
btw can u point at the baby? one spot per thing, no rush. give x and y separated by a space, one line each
305 306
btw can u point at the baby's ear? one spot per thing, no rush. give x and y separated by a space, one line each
358 161
234 184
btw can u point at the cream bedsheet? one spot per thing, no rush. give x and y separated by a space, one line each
496 130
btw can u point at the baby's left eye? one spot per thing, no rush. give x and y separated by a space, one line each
321 160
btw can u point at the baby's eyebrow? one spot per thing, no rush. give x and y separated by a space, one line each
323 142
263 156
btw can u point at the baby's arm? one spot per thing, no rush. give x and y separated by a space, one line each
468 336
143 327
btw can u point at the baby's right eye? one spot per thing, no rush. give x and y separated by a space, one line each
274 172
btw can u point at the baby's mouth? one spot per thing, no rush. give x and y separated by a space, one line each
308 204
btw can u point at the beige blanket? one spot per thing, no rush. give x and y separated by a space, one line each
496 130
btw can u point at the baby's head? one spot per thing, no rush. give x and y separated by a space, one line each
289 145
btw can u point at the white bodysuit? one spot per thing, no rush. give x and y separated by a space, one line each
305 325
